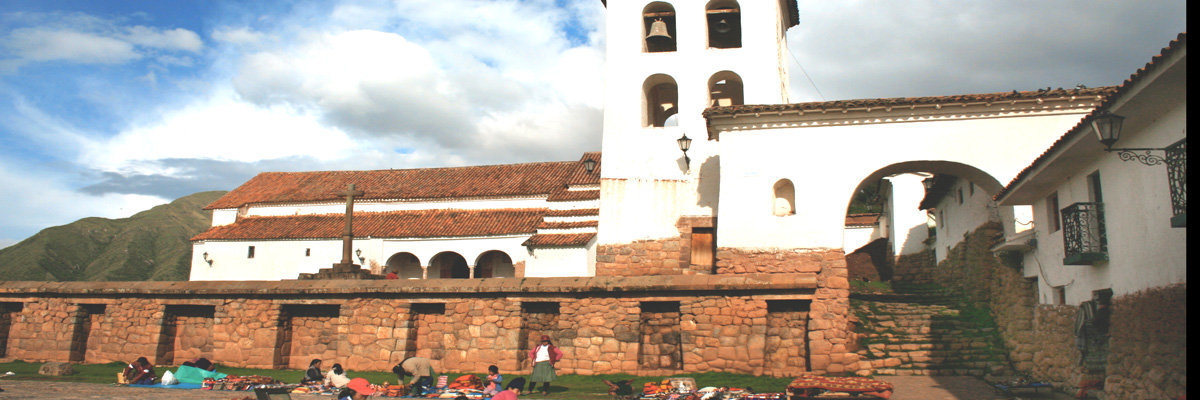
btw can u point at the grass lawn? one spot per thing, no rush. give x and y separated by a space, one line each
583 387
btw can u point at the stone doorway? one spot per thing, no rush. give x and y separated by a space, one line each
660 346
8 312
786 349
426 323
85 322
537 319
186 333
305 332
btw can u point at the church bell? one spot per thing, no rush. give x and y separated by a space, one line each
658 30
723 26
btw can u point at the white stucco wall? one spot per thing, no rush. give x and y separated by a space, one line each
825 177
562 261
1144 251
908 227
858 236
955 220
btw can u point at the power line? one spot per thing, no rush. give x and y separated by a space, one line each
810 81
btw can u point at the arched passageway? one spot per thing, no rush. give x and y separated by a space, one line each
448 265
406 265
494 264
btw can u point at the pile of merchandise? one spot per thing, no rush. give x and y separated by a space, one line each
808 386
234 382
685 389
469 386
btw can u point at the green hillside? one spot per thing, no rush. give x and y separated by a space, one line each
151 245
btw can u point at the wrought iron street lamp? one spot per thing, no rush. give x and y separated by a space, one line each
1108 130
589 165
685 143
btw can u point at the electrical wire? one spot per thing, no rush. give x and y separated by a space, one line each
802 70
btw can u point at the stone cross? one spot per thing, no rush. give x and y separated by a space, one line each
348 233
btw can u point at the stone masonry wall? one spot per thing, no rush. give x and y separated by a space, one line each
740 261
668 256
721 322
915 268
1147 356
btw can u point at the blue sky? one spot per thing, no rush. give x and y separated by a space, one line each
110 107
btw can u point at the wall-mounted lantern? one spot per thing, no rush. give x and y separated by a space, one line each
685 143
589 165
206 259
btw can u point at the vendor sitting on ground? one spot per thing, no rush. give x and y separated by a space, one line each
356 389
139 372
313 374
512 390
201 363
336 377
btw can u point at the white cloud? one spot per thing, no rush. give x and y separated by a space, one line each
171 39
34 44
220 127
4 242
238 35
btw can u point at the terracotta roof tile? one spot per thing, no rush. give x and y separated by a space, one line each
907 101
583 212
573 195
559 240
866 219
1082 127
525 179
568 225
395 224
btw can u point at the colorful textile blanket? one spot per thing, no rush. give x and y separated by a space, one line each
175 386
811 385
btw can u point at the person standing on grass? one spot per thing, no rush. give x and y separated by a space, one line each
544 356
513 390
421 371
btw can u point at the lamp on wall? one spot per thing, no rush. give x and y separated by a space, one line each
685 143
206 259
928 183
1108 130
589 165
358 253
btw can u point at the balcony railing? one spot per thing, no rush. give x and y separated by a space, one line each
1177 176
1083 234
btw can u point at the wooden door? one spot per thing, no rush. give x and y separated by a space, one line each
703 246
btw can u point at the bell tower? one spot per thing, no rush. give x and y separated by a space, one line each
667 61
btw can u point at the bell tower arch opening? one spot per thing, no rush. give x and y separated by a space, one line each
661 99
724 24
725 89
658 22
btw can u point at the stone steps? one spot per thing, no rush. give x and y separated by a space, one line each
921 330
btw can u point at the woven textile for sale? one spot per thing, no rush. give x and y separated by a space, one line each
812 385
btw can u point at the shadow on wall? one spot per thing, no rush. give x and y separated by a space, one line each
710 175
871 262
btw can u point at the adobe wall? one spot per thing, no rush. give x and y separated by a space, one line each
778 324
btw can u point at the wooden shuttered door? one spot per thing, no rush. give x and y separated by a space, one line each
703 240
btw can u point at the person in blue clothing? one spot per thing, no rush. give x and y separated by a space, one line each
494 381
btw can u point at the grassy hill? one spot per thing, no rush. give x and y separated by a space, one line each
149 246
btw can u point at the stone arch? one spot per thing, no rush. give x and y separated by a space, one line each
404 264
784 199
660 100
658 11
494 264
448 264
725 89
724 24
898 226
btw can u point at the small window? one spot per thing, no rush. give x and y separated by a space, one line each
250 252
1060 295
785 198
1095 195
971 190
960 196
1052 213
307 252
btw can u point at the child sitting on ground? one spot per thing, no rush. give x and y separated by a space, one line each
493 381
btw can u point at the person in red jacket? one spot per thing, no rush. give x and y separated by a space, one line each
543 357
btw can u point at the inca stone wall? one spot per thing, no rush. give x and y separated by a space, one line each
714 323
740 261
1147 345
645 258
1147 356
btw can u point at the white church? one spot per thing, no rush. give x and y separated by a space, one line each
707 169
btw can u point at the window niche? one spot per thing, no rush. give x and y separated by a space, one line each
784 203
658 24
724 24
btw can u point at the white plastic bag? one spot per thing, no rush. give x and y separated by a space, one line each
169 379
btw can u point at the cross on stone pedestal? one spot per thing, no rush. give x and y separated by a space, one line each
347 265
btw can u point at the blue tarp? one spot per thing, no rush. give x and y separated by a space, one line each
186 374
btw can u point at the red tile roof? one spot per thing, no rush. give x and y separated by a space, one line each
573 195
866 219
1082 128
527 179
907 101
583 212
395 224
568 225
559 240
